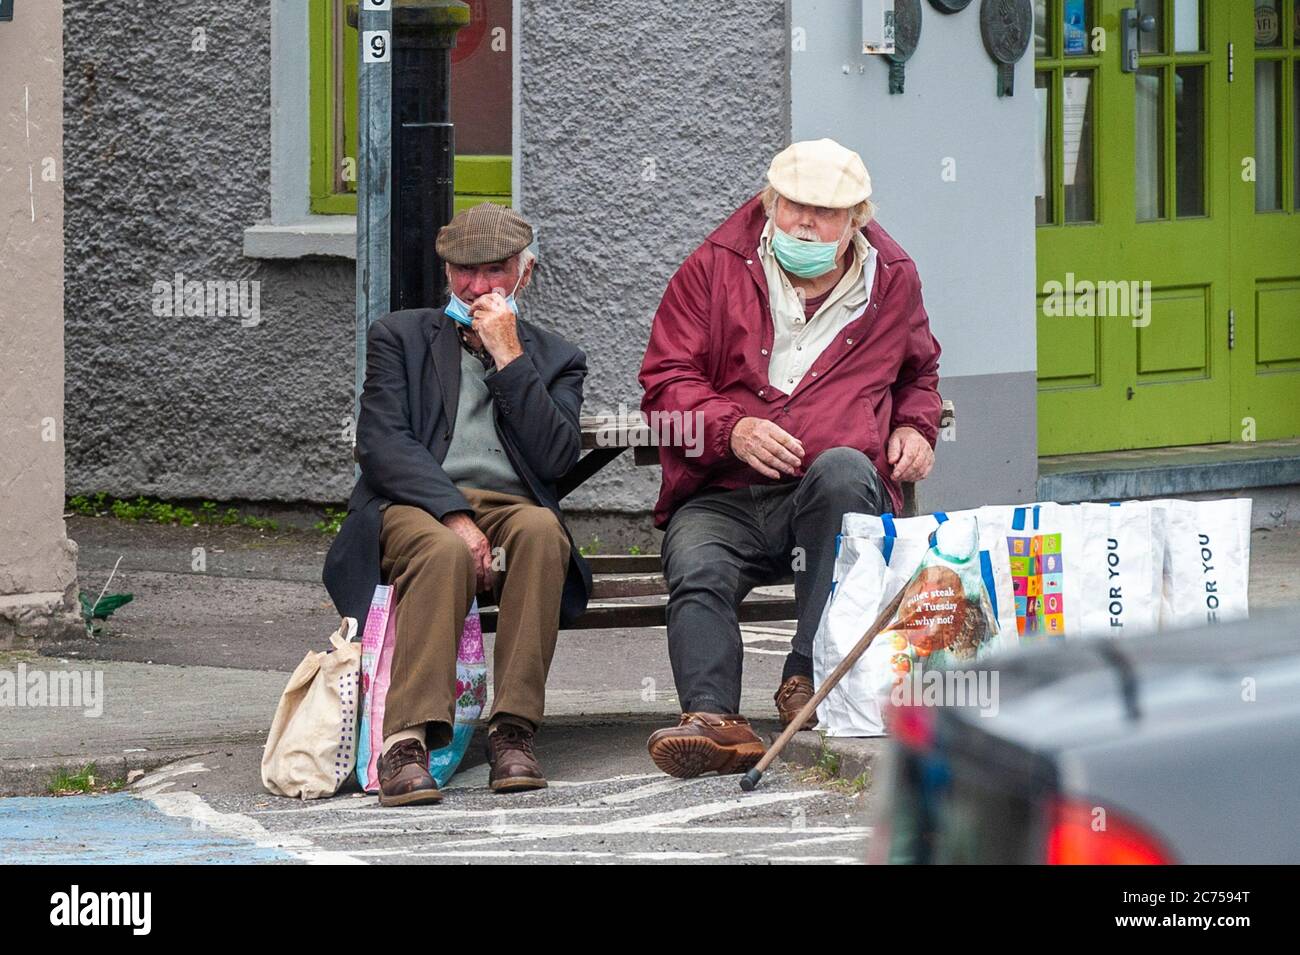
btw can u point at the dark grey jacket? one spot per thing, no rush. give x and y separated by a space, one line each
408 411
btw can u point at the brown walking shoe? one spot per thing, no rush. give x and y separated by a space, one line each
404 778
705 742
791 698
510 754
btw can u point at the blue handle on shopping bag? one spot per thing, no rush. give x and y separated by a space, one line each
838 538
1018 518
986 571
890 533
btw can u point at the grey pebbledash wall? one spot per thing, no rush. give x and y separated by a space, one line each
168 160
642 125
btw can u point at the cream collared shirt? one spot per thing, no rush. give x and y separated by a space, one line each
798 341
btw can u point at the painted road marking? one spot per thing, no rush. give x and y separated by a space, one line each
163 778
751 635
156 824
449 832
192 807
644 792
202 816
655 822
114 829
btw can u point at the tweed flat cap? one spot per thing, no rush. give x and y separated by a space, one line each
820 172
484 233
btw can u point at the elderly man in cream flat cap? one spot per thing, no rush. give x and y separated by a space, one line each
797 335
468 418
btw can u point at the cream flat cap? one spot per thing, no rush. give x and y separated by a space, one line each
820 172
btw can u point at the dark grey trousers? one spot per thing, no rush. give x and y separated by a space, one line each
720 545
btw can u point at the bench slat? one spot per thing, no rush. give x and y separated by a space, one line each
616 616
624 563
607 586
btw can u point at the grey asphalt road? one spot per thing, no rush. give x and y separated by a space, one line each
606 804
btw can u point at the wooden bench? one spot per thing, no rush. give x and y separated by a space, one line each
630 590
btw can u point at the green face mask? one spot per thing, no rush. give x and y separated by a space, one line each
801 257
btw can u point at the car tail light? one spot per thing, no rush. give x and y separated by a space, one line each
913 726
1083 834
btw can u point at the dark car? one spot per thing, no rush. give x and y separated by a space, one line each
1180 747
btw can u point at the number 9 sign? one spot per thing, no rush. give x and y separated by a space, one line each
376 4
374 46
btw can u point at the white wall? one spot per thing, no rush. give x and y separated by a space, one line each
972 238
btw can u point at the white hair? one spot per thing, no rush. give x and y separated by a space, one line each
859 215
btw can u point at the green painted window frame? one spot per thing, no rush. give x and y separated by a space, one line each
333 124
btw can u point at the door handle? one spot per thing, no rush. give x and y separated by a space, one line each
1129 26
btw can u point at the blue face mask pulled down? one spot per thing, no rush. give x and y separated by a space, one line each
458 309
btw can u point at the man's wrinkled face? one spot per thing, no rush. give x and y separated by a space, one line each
814 223
471 281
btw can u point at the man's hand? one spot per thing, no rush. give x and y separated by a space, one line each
494 321
765 447
909 454
464 527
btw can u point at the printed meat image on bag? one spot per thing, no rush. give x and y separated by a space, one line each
943 616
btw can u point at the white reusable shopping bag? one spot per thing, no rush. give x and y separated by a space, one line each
849 709
1032 537
875 559
869 570
1206 569
1117 558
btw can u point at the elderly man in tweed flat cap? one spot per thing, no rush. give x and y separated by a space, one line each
469 417
797 336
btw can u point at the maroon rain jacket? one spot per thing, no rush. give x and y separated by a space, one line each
708 354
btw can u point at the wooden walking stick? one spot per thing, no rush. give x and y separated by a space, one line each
750 780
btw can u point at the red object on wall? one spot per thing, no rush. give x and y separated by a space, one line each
471 35
481 78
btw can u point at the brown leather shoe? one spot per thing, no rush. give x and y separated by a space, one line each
404 778
510 754
791 698
703 743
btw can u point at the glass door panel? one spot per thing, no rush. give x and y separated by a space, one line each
1189 140
1149 145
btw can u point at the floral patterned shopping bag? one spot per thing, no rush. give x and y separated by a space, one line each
376 675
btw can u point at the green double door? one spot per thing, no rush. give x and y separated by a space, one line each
1168 216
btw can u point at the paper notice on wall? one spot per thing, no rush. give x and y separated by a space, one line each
1040 167
1074 109
878 26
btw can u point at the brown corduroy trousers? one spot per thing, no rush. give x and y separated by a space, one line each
432 572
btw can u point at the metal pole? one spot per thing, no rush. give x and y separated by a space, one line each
423 145
374 144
